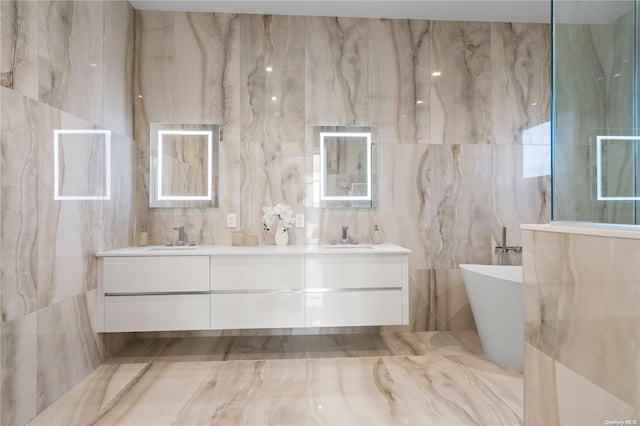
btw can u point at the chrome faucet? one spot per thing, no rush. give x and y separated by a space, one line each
180 230
345 239
504 250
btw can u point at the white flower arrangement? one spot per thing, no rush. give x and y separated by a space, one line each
281 212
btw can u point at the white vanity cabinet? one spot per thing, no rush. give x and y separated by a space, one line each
222 287
355 290
257 291
154 293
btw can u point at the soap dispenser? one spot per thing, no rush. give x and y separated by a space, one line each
143 237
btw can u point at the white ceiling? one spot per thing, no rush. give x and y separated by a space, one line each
592 11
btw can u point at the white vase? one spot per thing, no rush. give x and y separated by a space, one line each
282 234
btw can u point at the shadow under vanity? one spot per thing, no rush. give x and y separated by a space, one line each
225 287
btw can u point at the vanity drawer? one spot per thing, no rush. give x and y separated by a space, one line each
354 271
257 310
257 272
157 274
353 308
156 312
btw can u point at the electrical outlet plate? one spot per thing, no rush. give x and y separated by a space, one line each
231 220
299 220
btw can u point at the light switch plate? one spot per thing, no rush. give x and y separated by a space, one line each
231 220
299 220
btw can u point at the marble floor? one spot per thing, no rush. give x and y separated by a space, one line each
424 378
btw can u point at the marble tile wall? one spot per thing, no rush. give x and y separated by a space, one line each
597 100
582 328
451 152
63 65
70 64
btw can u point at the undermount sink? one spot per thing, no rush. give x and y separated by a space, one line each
166 248
348 246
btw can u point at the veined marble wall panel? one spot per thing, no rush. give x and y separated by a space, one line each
69 232
118 47
20 145
556 395
154 71
1 55
461 94
18 65
579 95
401 215
516 199
197 75
581 307
48 246
174 90
119 212
398 79
68 348
455 191
272 173
272 117
187 68
337 71
453 311
520 79
19 369
619 49
337 91
272 102
70 57
436 190
400 221
594 97
571 201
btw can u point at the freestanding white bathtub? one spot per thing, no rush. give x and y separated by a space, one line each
497 302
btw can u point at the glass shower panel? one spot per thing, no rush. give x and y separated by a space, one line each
595 152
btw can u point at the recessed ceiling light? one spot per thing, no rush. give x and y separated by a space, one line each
617 74
419 102
274 98
140 96
269 69
436 73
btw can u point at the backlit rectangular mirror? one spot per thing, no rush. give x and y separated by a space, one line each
183 165
345 167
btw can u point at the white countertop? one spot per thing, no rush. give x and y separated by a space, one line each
207 250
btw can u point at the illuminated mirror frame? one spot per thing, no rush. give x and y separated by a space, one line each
56 164
317 191
323 166
599 185
211 137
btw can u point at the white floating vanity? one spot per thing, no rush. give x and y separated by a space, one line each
225 287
